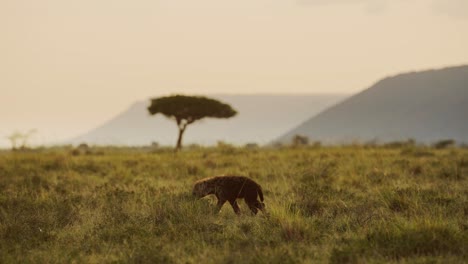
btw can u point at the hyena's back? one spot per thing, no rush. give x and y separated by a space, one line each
234 187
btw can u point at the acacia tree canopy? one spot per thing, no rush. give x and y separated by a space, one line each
188 109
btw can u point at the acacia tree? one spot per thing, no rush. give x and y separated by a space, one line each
187 109
20 139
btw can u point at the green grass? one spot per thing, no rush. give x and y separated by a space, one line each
352 204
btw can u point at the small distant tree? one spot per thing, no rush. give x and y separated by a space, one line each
187 109
14 139
18 139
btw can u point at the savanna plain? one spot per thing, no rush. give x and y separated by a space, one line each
347 204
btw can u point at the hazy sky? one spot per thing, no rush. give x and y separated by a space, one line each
66 66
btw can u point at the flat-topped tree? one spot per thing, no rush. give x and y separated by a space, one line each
187 109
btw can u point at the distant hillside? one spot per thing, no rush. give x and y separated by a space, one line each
426 106
260 119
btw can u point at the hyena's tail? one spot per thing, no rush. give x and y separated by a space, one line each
260 193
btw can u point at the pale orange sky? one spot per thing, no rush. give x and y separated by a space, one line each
67 66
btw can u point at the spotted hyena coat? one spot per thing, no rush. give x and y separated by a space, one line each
229 189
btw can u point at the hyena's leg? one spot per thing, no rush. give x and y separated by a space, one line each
259 205
252 207
235 206
220 204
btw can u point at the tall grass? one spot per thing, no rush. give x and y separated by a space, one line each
356 204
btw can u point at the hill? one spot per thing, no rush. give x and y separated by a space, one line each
426 106
260 119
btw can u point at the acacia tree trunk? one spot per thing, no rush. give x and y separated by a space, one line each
179 139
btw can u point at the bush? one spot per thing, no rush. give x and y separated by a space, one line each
444 144
299 140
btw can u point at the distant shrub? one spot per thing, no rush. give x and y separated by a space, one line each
399 144
299 140
83 146
225 148
81 149
444 143
251 146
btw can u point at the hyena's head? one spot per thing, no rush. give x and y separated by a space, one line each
201 189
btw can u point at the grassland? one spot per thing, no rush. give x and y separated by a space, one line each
351 204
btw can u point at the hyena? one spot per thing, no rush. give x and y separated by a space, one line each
230 188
